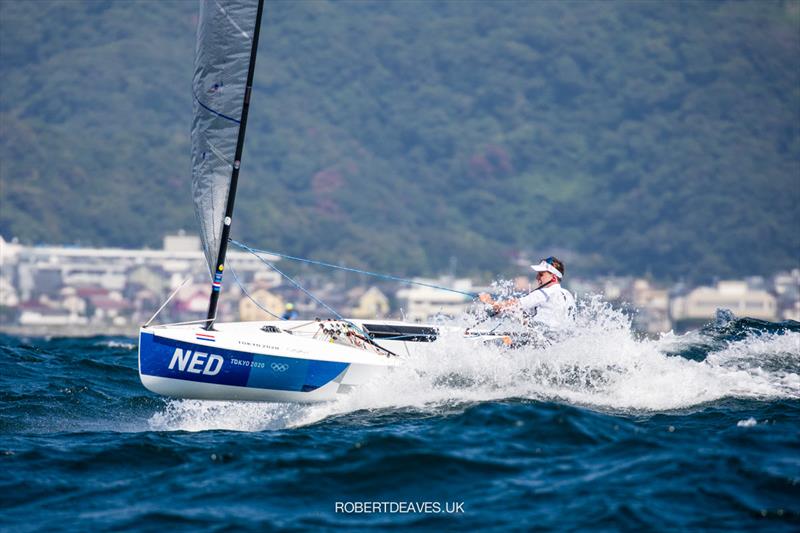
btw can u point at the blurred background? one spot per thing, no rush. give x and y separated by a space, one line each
654 147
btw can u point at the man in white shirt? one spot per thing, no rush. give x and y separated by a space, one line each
548 304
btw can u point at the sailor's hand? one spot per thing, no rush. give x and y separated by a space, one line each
494 309
485 297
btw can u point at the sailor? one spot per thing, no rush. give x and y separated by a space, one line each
549 304
290 313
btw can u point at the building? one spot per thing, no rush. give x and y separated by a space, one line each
791 311
368 303
43 316
700 305
787 282
787 286
652 306
248 310
46 269
420 303
8 294
75 282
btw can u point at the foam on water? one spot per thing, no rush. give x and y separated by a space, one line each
123 345
602 366
747 423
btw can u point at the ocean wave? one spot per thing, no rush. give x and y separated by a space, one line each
125 345
603 366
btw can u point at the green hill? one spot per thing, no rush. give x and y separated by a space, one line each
635 136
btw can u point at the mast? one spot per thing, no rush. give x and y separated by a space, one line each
226 224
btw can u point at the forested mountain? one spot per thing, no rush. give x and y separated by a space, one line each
636 137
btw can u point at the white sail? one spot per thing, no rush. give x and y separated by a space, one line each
224 42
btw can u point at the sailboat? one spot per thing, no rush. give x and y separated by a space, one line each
273 361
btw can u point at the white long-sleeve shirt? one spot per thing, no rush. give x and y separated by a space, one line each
551 306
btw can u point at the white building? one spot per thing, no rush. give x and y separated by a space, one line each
43 269
420 303
787 287
8 294
652 304
40 317
702 302
787 282
791 312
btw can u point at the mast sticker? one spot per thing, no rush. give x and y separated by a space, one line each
217 281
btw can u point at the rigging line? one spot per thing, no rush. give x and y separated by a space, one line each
241 286
408 336
304 324
171 296
497 326
296 284
203 321
320 302
356 270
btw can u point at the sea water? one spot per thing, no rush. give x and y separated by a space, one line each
604 430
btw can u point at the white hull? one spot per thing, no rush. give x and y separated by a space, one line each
286 361
178 388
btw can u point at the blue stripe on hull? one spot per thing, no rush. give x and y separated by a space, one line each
202 363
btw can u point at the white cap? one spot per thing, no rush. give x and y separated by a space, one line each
544 266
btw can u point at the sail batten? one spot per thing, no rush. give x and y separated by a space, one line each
222 59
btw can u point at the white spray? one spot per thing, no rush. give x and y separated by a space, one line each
603 365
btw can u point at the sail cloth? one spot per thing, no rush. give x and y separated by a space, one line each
222 57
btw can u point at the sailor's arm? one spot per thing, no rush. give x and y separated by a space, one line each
533 299
497 306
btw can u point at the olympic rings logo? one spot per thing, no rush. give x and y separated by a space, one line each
279 367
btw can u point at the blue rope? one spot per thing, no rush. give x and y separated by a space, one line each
296 284
241 286
255 252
